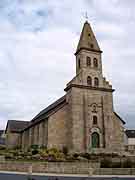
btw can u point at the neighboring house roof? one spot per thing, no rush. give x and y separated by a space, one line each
120 118
44 114
130 133
2 139
1 132
16 126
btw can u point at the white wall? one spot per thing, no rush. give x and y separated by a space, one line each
131 141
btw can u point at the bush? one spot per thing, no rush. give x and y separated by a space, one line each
2 147
53 150
75 155
9 156
34 149
35 157
105 163
128 164
86 155
34 146
43 147
65 150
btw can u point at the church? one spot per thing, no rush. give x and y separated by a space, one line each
84 119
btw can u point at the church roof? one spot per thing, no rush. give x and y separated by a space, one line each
130 133
16 126
87 39
50 107
120 118
46 112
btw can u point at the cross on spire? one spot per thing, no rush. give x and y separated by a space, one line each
86 15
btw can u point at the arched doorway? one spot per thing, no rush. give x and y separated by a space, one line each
95 140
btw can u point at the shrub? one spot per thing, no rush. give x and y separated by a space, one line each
75 155
17 148
9 156
34 146
2 147
43 147
34 149
127 164
54 150
86 155
105 163
65 150
35 157
43 153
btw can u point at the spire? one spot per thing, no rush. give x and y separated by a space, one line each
87 40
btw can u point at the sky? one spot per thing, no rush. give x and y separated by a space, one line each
38 40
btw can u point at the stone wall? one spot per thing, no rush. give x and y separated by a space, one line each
109 127
12 139
114 171
57 128
36 135
89 168
51 167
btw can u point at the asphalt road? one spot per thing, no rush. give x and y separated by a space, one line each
4 176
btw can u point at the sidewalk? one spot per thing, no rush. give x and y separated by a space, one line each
63 175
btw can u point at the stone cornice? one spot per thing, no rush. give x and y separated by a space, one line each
88 49
88 87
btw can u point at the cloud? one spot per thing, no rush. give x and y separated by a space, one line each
37 43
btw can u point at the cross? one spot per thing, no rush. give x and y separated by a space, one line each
86 15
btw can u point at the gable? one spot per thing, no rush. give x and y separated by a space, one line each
16 126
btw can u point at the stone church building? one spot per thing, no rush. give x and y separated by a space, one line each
84 118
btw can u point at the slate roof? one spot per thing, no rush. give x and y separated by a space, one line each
1 132
16 126
20 126
87 39
120 118
130 133
2 139
50 107
46 112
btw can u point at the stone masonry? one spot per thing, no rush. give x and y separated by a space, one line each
83 120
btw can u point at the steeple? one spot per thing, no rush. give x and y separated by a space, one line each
87 40
89 61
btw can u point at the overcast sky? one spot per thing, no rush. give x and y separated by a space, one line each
38 40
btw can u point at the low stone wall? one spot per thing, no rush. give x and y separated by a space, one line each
51 167
114 171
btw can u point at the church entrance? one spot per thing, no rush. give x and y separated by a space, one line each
95 140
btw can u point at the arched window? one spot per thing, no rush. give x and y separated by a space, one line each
88 59
96 82
95 62
94 108
89 81
79 63
95 141
94 120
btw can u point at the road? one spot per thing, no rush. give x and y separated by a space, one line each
4 176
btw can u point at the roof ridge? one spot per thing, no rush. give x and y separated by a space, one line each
48 108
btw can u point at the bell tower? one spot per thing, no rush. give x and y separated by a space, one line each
88 58
90 98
